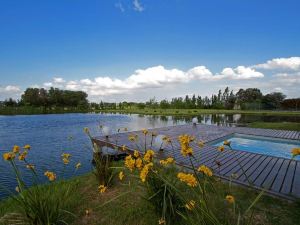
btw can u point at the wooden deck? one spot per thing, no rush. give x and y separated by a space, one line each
278 176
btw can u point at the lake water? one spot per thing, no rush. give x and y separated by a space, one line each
51 135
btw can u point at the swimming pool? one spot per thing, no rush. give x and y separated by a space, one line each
259 144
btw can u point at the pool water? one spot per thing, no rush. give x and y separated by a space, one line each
262 145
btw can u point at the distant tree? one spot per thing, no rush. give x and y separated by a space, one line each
273 100
10 102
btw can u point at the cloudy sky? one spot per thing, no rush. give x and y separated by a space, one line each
136 49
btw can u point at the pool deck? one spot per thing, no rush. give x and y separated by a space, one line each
277 176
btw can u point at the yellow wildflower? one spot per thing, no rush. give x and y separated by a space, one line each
66 155
121 175
22 157
132 138
145 131
30 166
148 155
27 147
51 176
129 162
138 163
201 144
185 141
136 154
86 130
167 161
8 156
221 148
190 205
230 199
295 152
226 142
125 129
154 134
188 178
123 148
66 161
205 170
102 188
161 221
78 165
145 171
16 149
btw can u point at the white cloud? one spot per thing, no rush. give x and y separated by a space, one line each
119 6
152 77
137 6
292 63
12 88
58 80
9 91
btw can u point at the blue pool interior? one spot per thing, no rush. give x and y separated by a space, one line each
259 144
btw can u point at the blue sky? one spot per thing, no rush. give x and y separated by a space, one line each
80 41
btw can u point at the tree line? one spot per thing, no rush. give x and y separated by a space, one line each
245 99
54 97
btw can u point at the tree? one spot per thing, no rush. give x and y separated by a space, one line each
273 100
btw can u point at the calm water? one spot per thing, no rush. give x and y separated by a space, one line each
268 146
50 135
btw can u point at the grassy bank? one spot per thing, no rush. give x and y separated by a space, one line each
133 209
274 125
195 112
28 110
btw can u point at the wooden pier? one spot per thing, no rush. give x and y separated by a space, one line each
277 176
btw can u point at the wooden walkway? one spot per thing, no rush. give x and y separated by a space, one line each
278 176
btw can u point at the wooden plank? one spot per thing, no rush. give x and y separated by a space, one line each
261 178
235 163
272 175
296 181
257 171
276 186
289 177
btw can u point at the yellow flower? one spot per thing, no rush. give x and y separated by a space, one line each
226 142
145 131
188 178
51 176
185 141
121 175
22 156
190 205
161 221
123 148
129 162
78 165
16 149
145 171
154 134
295 152
221 148
132 138
27 147
204 169
201 144
102 188
230 199
8 156
138 163
167 161
30 166
86 130
136 154
148 155
66 155
66 161
125 129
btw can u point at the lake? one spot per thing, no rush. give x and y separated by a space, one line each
51 135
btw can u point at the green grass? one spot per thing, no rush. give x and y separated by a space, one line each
133 209
278 125
195 112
